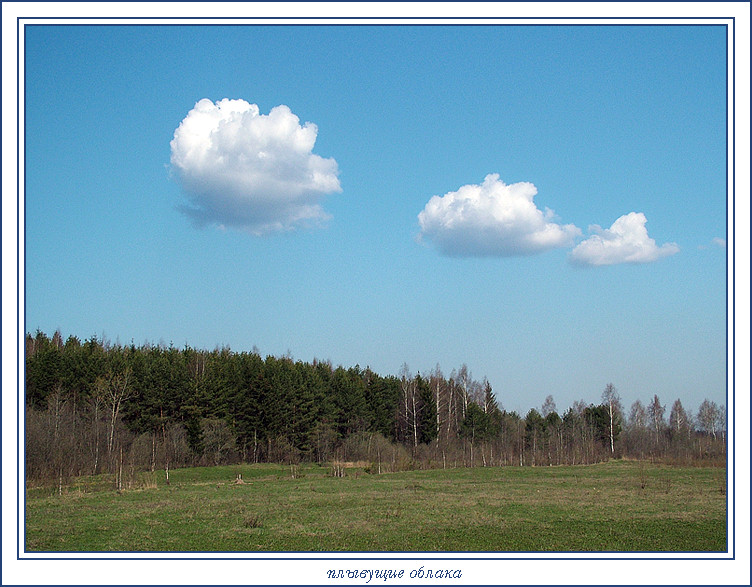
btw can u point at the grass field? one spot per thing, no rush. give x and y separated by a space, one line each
616 506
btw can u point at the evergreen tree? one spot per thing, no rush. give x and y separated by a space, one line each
349 399
427 423
597 419
382 397
534 425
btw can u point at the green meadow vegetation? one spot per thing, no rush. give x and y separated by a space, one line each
156 448
620 505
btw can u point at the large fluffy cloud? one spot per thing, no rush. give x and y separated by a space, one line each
627 241
492 219
251 171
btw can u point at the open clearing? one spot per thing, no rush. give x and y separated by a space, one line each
616 506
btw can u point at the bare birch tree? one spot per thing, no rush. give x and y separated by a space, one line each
677 420
405 385
438 384
96 401
655 412
465 379
708 416
117 390
612 402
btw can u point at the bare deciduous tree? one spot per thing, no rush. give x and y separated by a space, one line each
549 406
612 401
708 416
677 420
656 412
116 390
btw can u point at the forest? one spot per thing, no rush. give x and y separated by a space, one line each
96 407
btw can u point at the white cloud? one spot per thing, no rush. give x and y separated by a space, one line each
627 241
250 171
719 242
492 219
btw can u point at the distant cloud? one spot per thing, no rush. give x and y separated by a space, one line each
492 219
716 242
627 241
250 171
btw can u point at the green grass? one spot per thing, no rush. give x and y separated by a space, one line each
616 506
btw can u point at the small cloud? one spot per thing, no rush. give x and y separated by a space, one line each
250 171
716 242
627 241
492 219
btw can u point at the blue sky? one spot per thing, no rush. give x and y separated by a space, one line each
603 121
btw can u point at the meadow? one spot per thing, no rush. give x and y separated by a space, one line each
615 506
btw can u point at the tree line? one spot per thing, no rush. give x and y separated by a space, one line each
94 407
